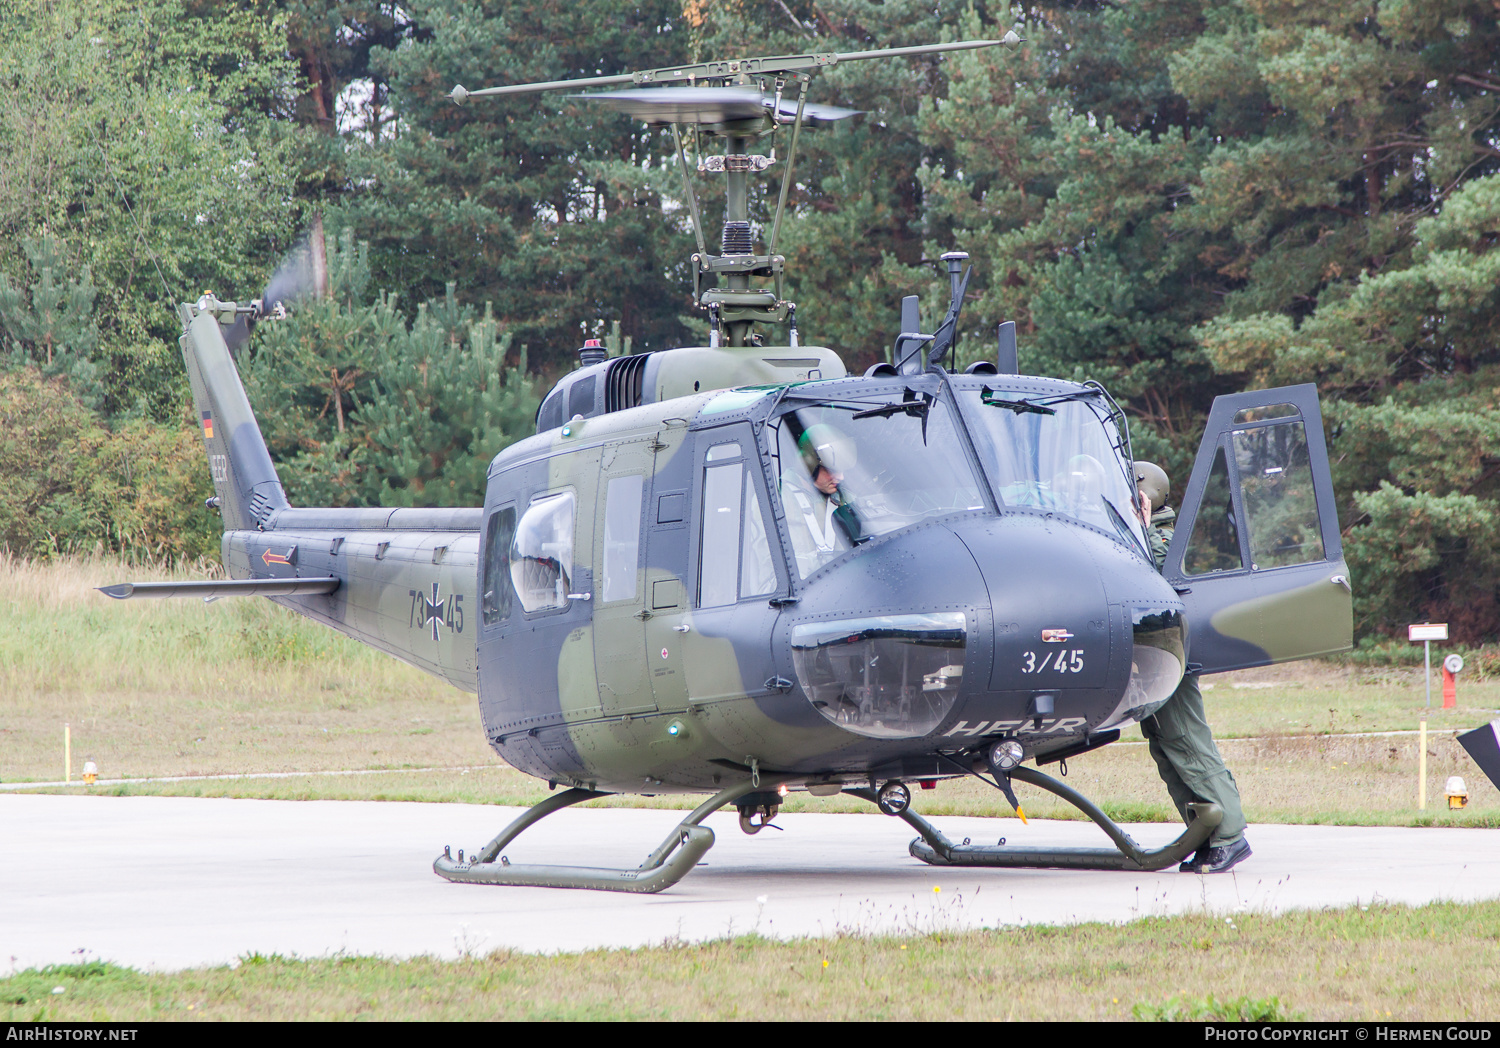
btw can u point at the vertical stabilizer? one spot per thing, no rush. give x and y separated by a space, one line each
244 479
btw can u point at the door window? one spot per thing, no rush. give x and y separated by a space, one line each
1214 544
622 538
722 490
1276 486
541 556
757 570
734 560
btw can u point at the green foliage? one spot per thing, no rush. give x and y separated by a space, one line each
131 132
539 204
53 327
1074 157
68 483
1411 354
1211 1009
363 408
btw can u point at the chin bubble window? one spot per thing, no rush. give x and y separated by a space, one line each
886 676
1157 660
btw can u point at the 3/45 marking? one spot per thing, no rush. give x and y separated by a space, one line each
1067 660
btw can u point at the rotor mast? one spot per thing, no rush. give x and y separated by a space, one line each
739 114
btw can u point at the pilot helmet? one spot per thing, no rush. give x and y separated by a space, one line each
1151 481
825 446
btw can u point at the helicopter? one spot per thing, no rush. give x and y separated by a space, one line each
740 570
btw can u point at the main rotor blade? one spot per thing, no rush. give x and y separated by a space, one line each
725 70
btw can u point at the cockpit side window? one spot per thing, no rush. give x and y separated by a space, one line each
1214 544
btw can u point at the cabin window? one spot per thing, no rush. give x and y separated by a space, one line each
1276 486
581 397
498 536
622 538
541 555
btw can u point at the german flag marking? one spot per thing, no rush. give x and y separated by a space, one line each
208 425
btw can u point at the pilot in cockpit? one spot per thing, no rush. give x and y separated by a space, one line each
815 498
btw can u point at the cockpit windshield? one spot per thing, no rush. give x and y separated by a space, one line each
848 471
1058 453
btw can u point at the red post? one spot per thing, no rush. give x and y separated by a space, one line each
1450 690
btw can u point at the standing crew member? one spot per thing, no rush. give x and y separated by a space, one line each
1180 740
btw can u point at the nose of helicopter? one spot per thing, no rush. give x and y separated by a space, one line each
1059 632
1086 635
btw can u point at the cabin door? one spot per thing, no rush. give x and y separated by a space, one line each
622 597
1257 555
735 573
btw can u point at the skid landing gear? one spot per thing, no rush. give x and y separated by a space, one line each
664 867
934 848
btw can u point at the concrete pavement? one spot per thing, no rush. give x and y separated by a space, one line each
169 882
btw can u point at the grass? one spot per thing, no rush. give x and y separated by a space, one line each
1379 962
179 688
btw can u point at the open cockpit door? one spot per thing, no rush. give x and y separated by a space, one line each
1257 555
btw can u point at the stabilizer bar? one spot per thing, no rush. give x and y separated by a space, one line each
213 589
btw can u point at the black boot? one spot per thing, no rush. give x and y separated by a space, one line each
1219 858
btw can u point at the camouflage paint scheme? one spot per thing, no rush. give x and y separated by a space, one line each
652 693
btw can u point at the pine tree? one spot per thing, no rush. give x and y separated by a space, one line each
362 407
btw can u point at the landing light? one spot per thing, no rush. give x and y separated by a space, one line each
893 798
1005 755
1458 793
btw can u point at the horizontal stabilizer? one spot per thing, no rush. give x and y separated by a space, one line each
212 590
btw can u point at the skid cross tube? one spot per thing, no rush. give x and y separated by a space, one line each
934 848
664 867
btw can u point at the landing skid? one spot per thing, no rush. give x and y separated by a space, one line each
937 850
688 842
664 867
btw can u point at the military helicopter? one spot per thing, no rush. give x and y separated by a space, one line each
739 570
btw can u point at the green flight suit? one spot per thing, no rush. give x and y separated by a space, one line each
1180 740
